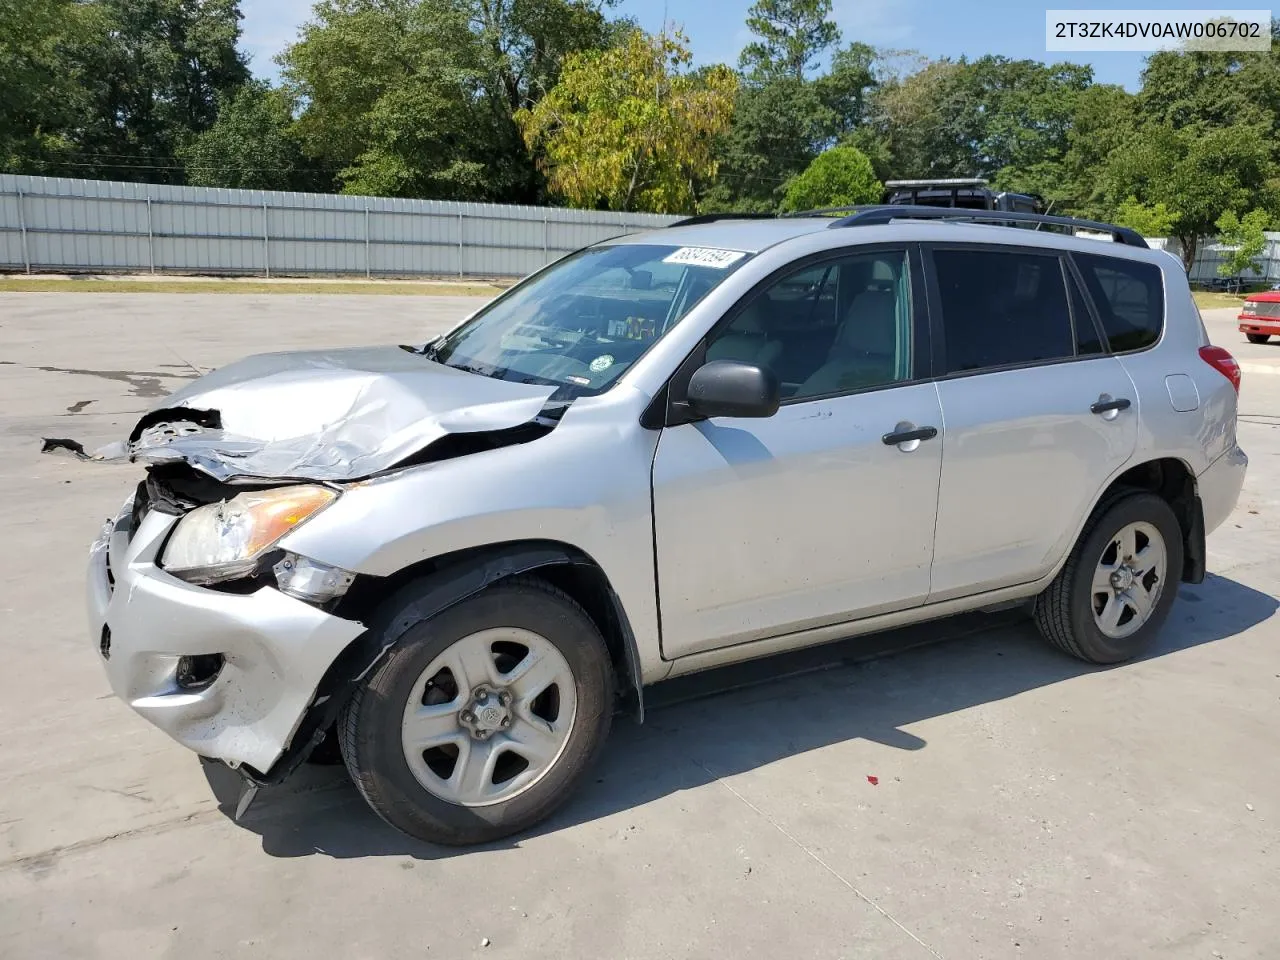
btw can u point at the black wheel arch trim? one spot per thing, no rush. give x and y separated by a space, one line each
455 581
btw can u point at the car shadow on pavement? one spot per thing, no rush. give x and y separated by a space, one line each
723 722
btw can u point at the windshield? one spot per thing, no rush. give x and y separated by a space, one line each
583 321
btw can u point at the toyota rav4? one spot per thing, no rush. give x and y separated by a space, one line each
663 453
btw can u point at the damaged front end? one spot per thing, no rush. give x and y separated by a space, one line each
333 416
259 653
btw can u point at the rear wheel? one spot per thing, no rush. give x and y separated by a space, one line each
1115 591
1258 337
483 718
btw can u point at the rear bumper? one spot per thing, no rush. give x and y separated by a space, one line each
1219 487
275 648
1268 326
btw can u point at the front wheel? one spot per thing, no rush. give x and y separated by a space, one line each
482 719
1258 337
1115 590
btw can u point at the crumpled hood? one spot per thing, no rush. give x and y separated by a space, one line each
323 415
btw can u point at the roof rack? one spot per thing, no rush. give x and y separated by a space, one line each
822 211
869 216
713 217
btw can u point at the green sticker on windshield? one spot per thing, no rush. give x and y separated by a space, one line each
601 363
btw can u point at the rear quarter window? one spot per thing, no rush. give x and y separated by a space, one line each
1129 296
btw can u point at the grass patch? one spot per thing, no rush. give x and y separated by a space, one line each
1211 299
375 287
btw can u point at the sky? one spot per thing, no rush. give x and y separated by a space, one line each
717 31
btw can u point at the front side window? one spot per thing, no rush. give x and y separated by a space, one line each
835 327
1002 308
1129 296
583 321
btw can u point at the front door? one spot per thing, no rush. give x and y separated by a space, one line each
825 511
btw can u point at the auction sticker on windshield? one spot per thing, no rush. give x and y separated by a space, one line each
705 257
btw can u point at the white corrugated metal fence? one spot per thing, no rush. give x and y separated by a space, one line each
64 225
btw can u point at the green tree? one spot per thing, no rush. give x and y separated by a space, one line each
417 97
630 128
844 90
250 145
1150 220
394 99
1245 238
842 176
793 36
1105 118
1210 89
777 129
40 96
1198 175
152 73
927 122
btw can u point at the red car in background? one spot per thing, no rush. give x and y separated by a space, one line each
1260 316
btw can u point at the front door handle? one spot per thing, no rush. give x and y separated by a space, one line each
1106 406
906 436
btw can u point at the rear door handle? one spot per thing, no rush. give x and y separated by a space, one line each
1106 406
906 436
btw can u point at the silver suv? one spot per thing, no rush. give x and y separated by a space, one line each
660 454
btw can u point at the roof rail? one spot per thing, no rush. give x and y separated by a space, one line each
823 211
869 216
713 217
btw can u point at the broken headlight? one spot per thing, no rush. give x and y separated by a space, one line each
221 541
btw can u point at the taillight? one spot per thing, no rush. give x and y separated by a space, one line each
1223 362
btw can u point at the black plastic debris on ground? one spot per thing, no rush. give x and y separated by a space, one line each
64 445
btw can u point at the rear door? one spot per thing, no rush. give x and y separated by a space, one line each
1037 417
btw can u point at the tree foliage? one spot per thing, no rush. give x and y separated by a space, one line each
250 145
562 101
842 176
1150 220
153 73
1197 176
630 128
39 96
792 35
1245 239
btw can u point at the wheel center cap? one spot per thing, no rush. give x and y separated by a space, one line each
486 713
1122 579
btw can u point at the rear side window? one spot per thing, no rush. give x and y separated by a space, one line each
1002 308
1130 299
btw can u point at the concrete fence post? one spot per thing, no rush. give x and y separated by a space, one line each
266 242
368 269
22 226
460 250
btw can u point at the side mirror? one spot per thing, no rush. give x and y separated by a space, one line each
731 388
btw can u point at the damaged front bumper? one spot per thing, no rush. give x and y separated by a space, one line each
270 650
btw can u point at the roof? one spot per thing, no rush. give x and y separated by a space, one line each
749 236
753 236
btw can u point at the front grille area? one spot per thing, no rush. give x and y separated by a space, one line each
1267 309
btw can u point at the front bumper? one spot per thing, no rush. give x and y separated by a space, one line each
142 620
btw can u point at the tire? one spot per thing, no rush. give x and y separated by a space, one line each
1257 337
1067 613
375 725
